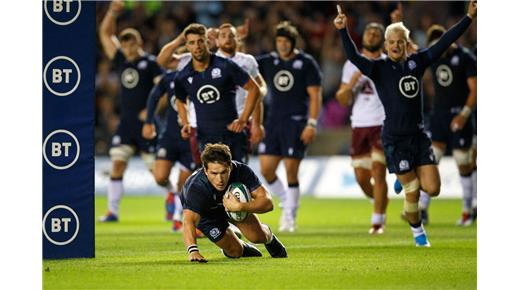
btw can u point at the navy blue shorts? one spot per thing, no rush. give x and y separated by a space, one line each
213 228
440 129
237 142
404 153
129 132
175 149
283 139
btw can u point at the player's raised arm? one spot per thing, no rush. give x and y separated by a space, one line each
362 63
107 29
166 55
191 219
453 33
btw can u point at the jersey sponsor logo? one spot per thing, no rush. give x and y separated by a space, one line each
404 165
444 75
215 73
297 64
62 12
283 80
130 78
208 94
61 76
61 149
214 232
409 86
412 65
60 225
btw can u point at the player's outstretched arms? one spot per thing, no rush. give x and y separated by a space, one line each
453 33
362 63
107 29
191 219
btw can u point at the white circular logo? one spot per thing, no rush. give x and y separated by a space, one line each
65 226
444 75
62 77
60 8
409 86
283 80
130 78
61 150
208 94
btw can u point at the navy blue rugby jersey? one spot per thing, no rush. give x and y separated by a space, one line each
166 85
399 84
212 92
287 82
200 196
136 81
450 74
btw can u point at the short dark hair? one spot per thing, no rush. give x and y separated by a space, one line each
130 34
434 32
216 153
195 28
286 29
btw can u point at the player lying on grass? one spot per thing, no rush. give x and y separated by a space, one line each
205 204
398 81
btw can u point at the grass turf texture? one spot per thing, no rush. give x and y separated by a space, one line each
330 250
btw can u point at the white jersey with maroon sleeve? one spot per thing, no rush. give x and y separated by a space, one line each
368 110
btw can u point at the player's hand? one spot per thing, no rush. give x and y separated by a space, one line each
196 257
243 30
236 126
148 131
117 6
397 14
186 131
472 9
231 203
257 134
308 135
341 20
142 115
458 123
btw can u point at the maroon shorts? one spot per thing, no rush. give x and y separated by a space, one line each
364 139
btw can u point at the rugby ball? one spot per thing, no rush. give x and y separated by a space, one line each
242 193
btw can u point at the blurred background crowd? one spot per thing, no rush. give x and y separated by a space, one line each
160 22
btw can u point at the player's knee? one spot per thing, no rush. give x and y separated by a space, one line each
160 178
362 163
121 153
432 188
268 174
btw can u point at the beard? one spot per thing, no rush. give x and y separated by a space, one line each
203 56
229 49
372 48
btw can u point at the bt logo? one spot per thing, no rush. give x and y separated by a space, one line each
62 12
61 149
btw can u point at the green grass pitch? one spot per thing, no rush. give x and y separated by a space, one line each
330 250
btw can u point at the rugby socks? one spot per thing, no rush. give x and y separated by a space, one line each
424 201
417 229
177 214
378 219
292 200
277 187
467 192
115 191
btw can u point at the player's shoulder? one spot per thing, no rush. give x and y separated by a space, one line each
195 181
466 52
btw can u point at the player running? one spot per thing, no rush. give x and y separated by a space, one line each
367 117
205 203
294 81
138 72
455 83
398 82
210 82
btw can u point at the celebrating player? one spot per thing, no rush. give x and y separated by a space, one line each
367 118
210 82
398 82
455 83
294 82
138 73
171 148
205 203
